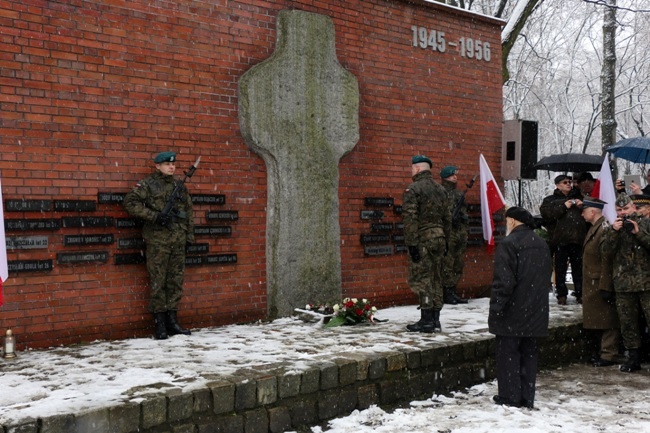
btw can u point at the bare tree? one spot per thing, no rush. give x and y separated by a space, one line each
608 76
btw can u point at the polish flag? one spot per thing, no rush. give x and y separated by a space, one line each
4 270
491 202
604 190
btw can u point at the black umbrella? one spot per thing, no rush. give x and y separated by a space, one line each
573 162
635 149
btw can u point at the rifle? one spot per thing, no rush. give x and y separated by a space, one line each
456 215
169 213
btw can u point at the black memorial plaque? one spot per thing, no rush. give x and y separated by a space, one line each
129 259
128 223
220 259
398 239
230 215
29 265
82 257
32 224
98 239
397 210
130 243
379 250
400 248
110 197
208 199
75 205
27 242
77 222
373 239
372 214
28 205
378 201
193 260
197 249
381 227
399 227
212 230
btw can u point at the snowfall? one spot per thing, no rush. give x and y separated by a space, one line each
576 398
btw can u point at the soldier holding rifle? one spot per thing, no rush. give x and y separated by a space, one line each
165 206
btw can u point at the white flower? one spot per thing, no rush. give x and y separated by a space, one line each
354 300
346 300
373 309
308 307
336 307
364 300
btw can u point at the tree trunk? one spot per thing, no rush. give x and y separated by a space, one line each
608 76
511 31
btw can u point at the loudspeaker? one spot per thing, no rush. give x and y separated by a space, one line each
519 149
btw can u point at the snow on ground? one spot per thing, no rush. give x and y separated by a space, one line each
41 383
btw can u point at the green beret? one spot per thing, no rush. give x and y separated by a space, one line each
165 157
593 202
623 200
421 158
450 170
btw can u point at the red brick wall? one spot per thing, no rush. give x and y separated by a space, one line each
91 90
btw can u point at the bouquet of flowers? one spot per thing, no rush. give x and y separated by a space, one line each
351 312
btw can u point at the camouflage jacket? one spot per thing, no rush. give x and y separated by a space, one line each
149 197
426 210
455 196
630 256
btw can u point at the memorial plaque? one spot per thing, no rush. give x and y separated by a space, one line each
380 250
212 230
128 223
372 214
28 205
473 230
399 227
27 242
98 239
82 257
400 248
379 227
373 239
378 201
231 215
75 206
193 260
87 222
397 210
130 243
398 239
29 265
129 259
110 197
197 249
200 199
220 259
32 224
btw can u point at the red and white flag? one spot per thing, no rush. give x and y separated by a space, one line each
604 190
491 202
4 270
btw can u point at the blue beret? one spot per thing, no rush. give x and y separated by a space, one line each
421 158
450 170
165 157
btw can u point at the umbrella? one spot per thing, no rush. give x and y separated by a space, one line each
573 162
635 149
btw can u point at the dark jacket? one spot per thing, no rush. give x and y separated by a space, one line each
521 286
565 225
630 257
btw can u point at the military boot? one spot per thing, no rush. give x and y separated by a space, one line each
449 295
633 362
459 300
437 326
173 328
160 330
425 324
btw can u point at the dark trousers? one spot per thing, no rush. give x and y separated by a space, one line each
563 255
516 359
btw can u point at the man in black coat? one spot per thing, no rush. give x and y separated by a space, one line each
519 307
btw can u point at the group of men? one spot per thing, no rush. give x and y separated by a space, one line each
610 263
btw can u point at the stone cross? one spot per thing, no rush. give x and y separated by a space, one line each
299 111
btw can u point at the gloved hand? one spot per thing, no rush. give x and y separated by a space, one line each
607 296
414 253
163 219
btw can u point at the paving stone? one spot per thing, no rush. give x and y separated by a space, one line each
57 424
245 394
179 406
367 396
202 400
256 421
28 426
304 412
223 397
279 419
310 381
124 418
328 404
92 421
347 371
267 390
329 376
154 411
288 385
395 361
377 368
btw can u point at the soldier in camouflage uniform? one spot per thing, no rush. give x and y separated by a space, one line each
166 238
629 243
454 261
427 224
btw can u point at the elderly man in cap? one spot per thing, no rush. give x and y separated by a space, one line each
599 316
427 224
454 262
166 237
628 242
519 310
561 215
586 183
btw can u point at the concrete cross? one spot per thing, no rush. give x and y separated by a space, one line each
299 111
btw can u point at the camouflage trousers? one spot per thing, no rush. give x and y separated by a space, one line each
425 276
454 262
630 306
166 267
